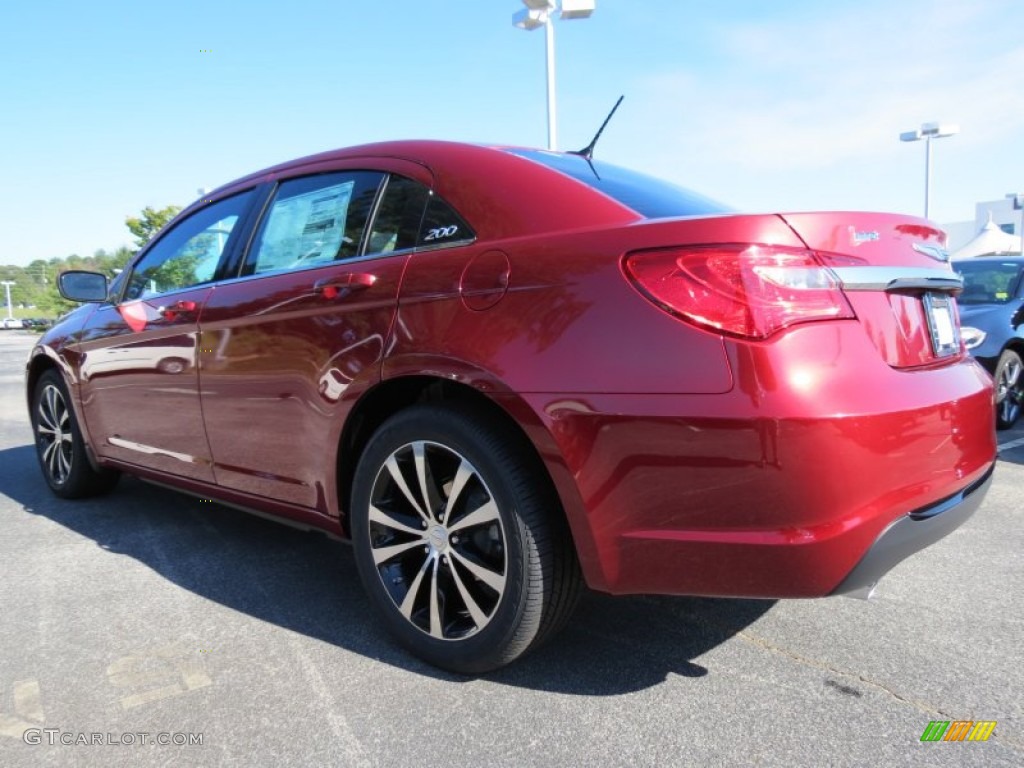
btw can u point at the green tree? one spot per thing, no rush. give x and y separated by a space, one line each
36 285
149 222
40 272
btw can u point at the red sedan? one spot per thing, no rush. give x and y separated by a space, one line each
506 373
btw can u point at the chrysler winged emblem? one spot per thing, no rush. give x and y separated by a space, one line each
939 254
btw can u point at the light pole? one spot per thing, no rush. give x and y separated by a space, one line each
7 284
929 131
539 13
1018 205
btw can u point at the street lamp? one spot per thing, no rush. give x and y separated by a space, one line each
929 131
538 13
7 284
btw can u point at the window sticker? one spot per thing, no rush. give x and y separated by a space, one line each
305 229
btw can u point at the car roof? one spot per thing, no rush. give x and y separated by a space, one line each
500 193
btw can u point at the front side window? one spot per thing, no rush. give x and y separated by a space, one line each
314 220
188 254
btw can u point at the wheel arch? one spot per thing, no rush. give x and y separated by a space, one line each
43 360
37 365
521 422
1016 344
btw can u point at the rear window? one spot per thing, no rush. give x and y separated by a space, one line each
647 195
988 282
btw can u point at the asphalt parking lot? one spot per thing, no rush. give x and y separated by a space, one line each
149 616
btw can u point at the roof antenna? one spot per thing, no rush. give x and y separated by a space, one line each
588 151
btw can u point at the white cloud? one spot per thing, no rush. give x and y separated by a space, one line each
811 94
831 91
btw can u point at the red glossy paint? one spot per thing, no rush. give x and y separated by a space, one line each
137 359
686 460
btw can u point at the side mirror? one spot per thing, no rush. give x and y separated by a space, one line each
79 285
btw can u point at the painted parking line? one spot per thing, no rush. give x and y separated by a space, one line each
28 712
161 673
1012 444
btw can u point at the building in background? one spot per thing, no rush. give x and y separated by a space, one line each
1002 217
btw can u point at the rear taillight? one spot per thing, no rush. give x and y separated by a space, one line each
745 290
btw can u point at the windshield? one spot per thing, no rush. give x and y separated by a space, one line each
647 195
989 282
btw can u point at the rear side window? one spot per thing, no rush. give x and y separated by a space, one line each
442 225
410 215
314 220
397 223
649 196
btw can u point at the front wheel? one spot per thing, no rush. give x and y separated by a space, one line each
459 539
59 443
1009 389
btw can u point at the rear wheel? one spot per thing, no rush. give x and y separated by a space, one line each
59 443
1009 378
459 539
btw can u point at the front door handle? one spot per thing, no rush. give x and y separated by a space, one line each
360 280
343 285
177 308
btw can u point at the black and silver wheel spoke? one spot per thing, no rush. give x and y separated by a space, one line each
492 579
475 612
414 589
483 515
399 480
436 628
384 554
437 540
462 476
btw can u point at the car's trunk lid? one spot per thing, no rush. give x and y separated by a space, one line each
895 272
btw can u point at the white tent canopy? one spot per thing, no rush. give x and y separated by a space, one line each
990 241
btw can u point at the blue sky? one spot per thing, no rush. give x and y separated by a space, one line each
109 106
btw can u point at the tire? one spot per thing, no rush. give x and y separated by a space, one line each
172 365
485 569
1009 378
59 443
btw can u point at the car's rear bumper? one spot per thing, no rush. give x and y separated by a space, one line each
912 533
780 488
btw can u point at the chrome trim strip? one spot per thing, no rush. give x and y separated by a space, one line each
151 451
341 262
897 278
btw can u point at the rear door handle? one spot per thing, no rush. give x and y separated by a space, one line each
343 285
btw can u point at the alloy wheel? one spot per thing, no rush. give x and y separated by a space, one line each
53 431
437 540
1008 388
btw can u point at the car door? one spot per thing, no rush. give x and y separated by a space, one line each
138 375
288 346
